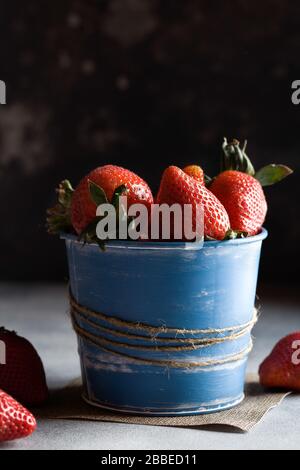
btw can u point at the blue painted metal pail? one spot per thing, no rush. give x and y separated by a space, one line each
164 328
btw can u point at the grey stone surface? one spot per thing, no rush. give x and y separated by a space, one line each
39 312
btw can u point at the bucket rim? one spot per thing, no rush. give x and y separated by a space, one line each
145 245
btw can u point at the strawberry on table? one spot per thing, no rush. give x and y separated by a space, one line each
15 421
177 187
23 375
281 369
239 188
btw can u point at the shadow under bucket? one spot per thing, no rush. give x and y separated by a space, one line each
164 328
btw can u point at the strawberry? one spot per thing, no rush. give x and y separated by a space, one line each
22 376
281 369
243 198
195 172
15 421
240 190
109 178
177 187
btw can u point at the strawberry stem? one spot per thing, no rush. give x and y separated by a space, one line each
233 234
235 157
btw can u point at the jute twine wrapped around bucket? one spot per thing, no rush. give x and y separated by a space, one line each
151 334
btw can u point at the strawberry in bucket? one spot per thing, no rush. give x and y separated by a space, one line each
239 188
234 202
178 187
145 304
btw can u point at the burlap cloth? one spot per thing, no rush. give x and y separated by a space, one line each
68 404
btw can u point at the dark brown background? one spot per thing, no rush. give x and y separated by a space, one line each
144 84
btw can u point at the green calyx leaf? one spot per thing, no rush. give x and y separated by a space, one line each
233 234
235 157
97 194
59 216
272 174
89 235
120 209
120 191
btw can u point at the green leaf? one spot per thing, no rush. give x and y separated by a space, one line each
97 194
272 174
120 209
65 193
235 158
233 234
89 235
59 216
90 229
120 191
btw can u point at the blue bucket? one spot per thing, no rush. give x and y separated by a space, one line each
164 328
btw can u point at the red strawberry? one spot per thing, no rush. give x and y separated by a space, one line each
281 369
239 187
109 178
15 421
243 198
22 375
177 187
195 172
